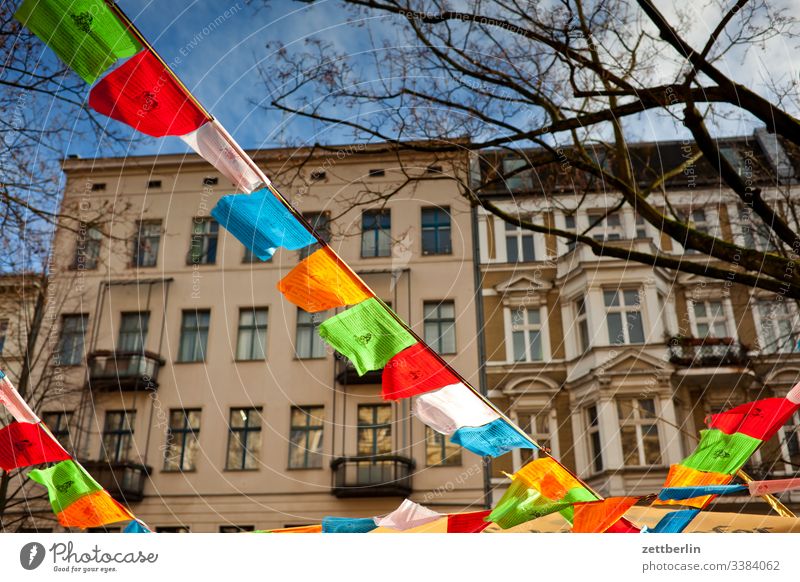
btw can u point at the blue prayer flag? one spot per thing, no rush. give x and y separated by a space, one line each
261 223
493 439
680 493
675 521
348 525
135 527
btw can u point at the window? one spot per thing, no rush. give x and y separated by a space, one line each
376 233
440 326
154 184
582 322
377 173
87 247
789 437
434 169
710 319
519 244
756 234
516 174
70 344
321 223
118 436
624 316
569 226
436 231
608 227
252 341
203 249
58 423
641 226
318 175
639 431
244 439
173 529
308 343
180 454
148 240
537 425
439 451
779 326
99 187
305 437
210 181
526 334
235 528
3 332
374 429
133 331
595 443
698 220
194 335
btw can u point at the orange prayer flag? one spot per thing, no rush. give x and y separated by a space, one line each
93 510
548 478
599 516
300 529
681 476
320 282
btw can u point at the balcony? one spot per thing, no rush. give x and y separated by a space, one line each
374 476
346 374
125 371
123 480
707 352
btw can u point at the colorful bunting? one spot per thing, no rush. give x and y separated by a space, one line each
302 529
452 408
321 282
599 516
10 398
218 148
408 515
66 482
472 522
622 525
758 488
93 510
681 476
681 493
143 94
718 452
261 223
760 419
367 335
23 444
85 34
413 371
493 439
675 521
521 503
135 527
348 525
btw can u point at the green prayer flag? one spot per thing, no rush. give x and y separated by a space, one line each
718 452
521 503
66 482
575 495
367 334
85 34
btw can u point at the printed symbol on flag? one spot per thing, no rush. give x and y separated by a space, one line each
722 454
415 375
756 412
83 20
364 339
64 487
22 444
228 152
149 102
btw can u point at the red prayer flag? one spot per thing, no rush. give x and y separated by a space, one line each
760 419
143 94
622 525
23 444
415 370
472 522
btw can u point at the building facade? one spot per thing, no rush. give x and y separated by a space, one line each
614 364
210 403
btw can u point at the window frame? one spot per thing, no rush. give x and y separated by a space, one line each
75 346
321 221
147 244
437 229
59 427
440 444
307 429
439 321
257 333
208 241
126 428
622 309
638 421
374 428
594 439
517 235
526 329
197 329
583 339
186 433
791 315
143 317
246 431
379 232
316 343
693 317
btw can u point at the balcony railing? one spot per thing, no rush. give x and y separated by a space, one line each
707 352
123 480
127 371
374 476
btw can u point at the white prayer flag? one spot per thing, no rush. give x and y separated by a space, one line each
452 407
216 146
11 399
759 488
408 515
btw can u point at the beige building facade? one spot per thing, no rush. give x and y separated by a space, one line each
210 402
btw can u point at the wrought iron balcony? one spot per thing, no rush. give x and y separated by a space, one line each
373 476
707 352
126 371
123 480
